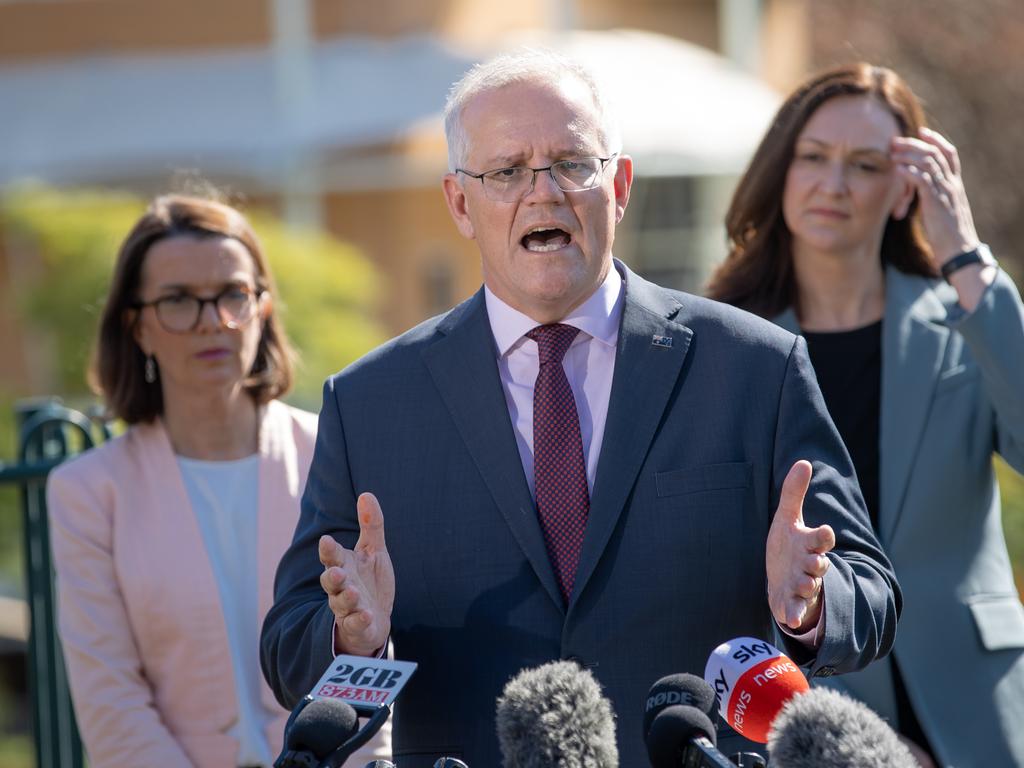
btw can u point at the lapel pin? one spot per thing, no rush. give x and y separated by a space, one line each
661 341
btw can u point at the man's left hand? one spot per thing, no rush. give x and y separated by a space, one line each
795 556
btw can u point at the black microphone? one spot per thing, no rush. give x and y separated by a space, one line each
555 716
822 727
681 736
314 731
680 688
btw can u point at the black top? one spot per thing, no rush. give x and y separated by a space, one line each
848 365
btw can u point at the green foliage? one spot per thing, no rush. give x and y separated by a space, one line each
73 239
326 287
1011 489
325 294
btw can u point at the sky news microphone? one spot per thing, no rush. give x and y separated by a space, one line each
823 727
682 736
753 680
555 716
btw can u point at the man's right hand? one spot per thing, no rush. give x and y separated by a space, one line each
360 584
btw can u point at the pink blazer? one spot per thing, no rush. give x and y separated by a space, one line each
139 610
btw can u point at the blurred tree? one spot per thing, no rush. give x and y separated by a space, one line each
327 288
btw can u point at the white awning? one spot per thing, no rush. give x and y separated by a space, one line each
684 110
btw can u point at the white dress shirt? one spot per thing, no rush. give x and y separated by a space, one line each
589 365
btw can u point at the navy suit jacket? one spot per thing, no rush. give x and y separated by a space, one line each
698 440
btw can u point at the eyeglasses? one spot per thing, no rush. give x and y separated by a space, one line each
507 185
180 312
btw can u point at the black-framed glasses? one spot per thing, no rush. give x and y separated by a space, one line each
506 185
180 312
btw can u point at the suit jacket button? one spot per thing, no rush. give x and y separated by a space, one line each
825 672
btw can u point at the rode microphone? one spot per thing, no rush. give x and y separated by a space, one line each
555 716
753 680
682 736
680 688
823 727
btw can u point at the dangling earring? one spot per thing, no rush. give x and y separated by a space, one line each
149 370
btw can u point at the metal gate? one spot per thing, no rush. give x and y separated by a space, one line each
48 433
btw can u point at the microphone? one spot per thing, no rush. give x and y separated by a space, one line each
316 731
681 736
752 680
823 727
555 716
449 762
680 688
380 764
364 686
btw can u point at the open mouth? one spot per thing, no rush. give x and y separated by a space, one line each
545 239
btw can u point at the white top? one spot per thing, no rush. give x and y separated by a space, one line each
225 499
589 364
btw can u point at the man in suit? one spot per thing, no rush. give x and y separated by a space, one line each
574 463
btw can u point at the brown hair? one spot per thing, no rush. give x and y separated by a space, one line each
757 275
116 371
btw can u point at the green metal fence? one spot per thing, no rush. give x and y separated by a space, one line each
48 433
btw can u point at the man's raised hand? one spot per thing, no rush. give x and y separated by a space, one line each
795 556
360 583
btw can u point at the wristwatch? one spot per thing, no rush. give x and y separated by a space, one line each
979 255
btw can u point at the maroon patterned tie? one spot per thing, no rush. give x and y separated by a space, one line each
559 468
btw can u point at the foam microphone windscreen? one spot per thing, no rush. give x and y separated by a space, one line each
555 716
671 732
321 727
680 688
753 680
823 727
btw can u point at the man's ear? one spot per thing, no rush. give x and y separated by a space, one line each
458 206
903 201
623 183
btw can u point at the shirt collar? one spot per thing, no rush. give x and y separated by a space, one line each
598 316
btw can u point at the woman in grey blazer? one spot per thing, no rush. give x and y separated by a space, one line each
852 227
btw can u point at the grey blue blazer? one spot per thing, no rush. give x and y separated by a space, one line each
952 394
699 436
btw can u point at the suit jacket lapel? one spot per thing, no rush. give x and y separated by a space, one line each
182 553
913 346
647 366
463 364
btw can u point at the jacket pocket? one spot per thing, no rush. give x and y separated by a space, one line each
956 377
1000 621
707 477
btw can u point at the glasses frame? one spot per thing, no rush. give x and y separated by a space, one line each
533 179
254 294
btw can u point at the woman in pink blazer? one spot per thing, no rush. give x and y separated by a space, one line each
166 539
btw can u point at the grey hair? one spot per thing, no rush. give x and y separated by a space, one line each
524 65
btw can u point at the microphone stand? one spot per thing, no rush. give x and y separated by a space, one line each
363 735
